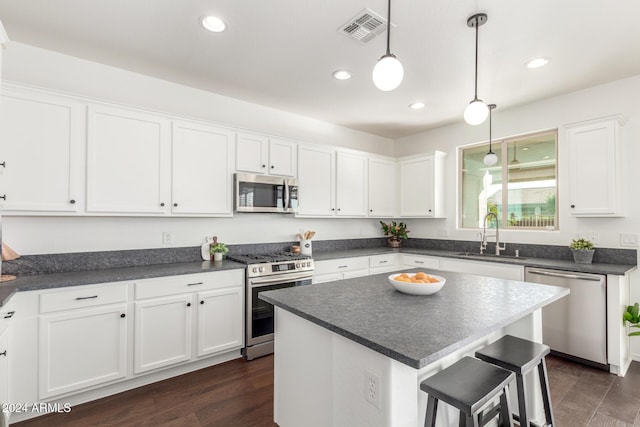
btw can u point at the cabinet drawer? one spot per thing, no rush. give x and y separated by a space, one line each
341 265
386 260
150 288
420 261
83 296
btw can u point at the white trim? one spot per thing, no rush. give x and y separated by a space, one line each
4 38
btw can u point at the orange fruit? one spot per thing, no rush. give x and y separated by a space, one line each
420 275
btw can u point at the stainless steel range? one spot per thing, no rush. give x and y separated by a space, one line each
267 272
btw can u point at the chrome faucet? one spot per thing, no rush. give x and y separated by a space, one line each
483 241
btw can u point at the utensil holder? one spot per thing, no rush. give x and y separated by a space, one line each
305 247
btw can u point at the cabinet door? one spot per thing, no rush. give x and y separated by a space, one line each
416 187
316 176
593 169
127 162
282 157
40 142
4 369
252 153
351 184
81 348
163 332
202 169
382 188
220 320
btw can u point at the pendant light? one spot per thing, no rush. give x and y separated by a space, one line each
490 158
388 72
476 112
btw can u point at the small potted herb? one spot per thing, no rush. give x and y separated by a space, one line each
582 250
218 250
396 231
632 316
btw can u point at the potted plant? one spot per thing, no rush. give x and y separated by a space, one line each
396 231
632 316
582 250
218 250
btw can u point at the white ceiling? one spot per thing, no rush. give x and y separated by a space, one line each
281 53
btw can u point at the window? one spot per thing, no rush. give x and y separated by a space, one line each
522 194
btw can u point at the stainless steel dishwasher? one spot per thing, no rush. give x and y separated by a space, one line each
576 325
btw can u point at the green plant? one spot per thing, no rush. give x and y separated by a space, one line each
581 244
218 247
396 230
632 315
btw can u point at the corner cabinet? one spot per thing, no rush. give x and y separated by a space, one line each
595 168
41 147
422 186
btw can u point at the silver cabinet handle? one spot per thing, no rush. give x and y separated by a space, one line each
194 284
419 262
91 297
383 261
343 266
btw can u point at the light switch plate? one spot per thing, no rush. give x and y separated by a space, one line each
629 240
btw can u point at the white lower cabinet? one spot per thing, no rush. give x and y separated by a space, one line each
82 348
383 263
162 332
176 314
4 373
420 261
220 320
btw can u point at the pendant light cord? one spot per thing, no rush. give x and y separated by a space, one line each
475 98
389 29
490 130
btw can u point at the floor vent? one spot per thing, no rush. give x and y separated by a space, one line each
365 26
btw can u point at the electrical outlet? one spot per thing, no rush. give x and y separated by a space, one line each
166 238
629 240
372 388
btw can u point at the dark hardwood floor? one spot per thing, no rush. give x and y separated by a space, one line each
240 394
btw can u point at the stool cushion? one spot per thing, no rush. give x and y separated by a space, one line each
515 354
467 384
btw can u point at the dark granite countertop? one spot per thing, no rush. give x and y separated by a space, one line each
415 330
105 275
598 268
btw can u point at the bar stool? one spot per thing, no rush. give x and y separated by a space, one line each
468 385
520 356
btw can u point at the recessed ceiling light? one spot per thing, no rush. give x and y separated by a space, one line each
537 62
342 75
213 23
417 106
546 157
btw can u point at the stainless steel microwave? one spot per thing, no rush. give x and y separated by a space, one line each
263 193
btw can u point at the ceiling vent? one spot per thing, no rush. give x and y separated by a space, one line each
364 27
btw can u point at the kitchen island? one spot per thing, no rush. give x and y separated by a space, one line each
353 352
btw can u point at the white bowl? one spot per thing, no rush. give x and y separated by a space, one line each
417 288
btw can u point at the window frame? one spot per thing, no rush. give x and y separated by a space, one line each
504 173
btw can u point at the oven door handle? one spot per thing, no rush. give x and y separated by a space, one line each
289 278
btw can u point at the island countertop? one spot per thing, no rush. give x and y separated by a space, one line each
415 330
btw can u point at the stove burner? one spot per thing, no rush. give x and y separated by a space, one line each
266 258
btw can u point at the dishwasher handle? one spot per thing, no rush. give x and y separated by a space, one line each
565 275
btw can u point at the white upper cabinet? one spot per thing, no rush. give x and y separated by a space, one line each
331 183
382 188
594 168
422 186
127 168
264 155
202 169
351 184
316 176
40 151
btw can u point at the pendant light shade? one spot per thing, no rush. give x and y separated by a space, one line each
476 112
388 72
490 158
